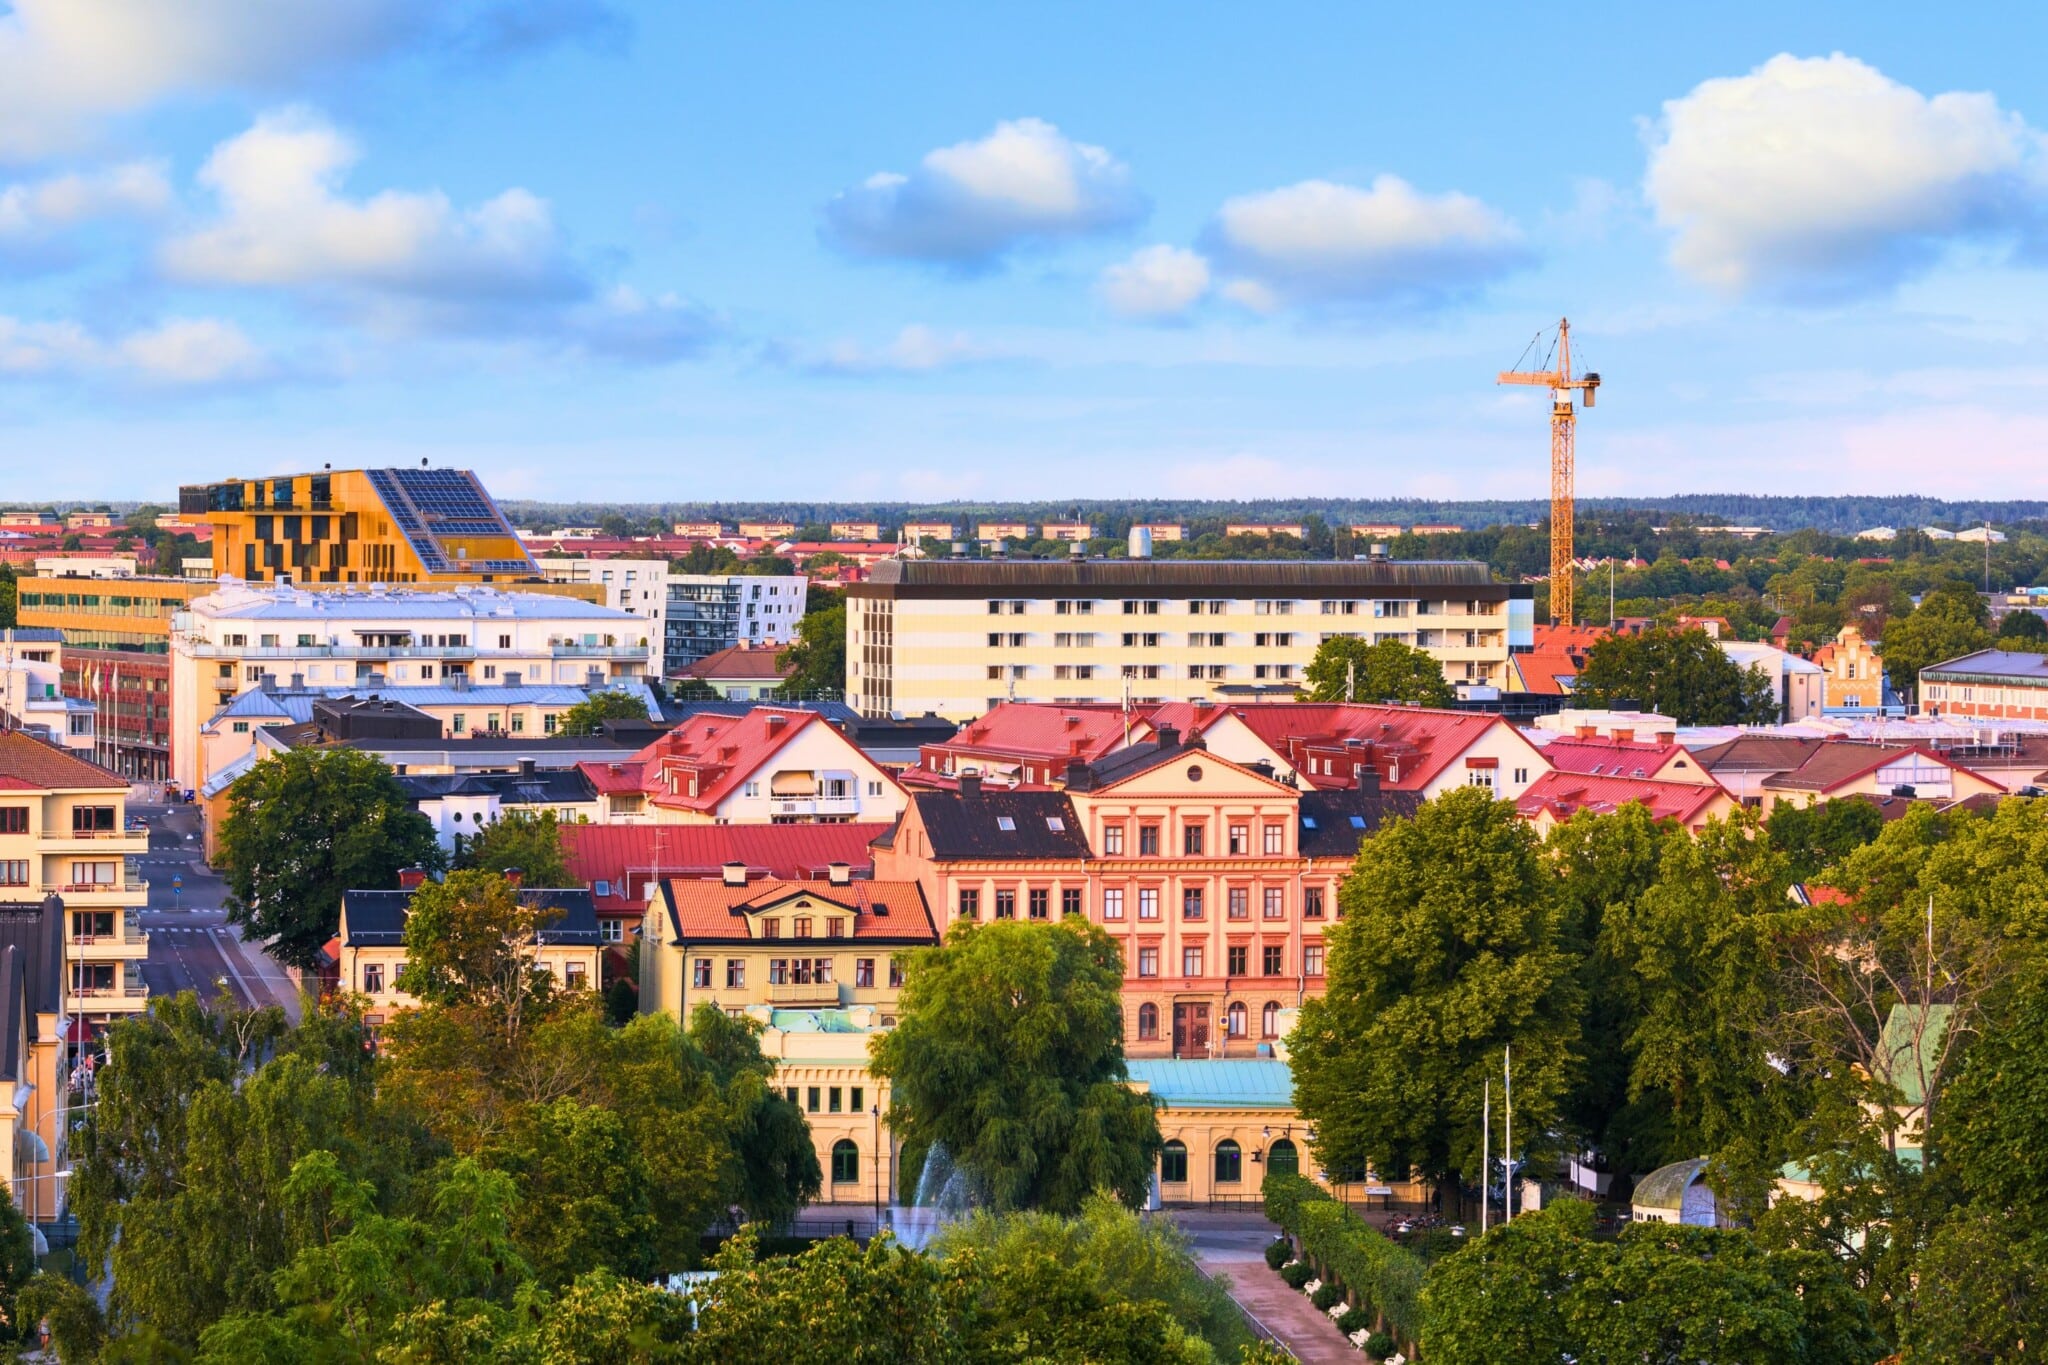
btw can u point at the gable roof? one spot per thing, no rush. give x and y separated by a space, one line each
27 763
753 664
619 855
969 824
376 919
1758 753
34 931
1334 823
1410 746
1034 730
541 787
1603 757
1552 663
708 757
1565 793
1841 761
706 910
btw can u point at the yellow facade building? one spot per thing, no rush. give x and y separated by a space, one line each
1855 673
35 1035
360 526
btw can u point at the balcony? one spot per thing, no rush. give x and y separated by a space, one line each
815 805
126 943
93 841
118 998
130 892
571 651
810 996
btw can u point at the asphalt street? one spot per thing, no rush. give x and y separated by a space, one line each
191 944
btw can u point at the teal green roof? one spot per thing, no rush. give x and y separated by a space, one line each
1223 1084
1905 1039
814 1021
1798 1170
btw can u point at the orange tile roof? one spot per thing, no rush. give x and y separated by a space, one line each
32 764
708 910
739 661
625 856
1564 793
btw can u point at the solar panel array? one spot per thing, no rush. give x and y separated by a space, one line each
431 504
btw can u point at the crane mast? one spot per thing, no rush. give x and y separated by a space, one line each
1563 386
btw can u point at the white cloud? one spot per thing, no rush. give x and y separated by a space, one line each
182 352
1818 176
284 223
31 211
1318 243
967 205
916 349
1157 283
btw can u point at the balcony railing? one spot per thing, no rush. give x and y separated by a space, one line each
818 805
826 995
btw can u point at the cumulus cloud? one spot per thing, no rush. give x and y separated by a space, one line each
1320 244
182 352
1823 176
34 209
917 349
1157 283
967 205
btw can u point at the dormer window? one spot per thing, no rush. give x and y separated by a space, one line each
771 928
835 928
803 926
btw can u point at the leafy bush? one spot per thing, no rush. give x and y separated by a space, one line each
1297 1274
1353 1320
1279 1253
1384 1280
1379 1346
1327 1297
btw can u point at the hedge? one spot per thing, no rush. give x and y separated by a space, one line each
1279 1253
1380 1278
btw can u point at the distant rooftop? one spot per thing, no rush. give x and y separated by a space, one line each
283 602
1177 577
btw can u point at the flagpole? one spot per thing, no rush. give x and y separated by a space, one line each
1507 1142
1485 1155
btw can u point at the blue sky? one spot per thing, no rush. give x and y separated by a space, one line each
682 251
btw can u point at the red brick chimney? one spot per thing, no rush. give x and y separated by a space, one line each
515 875
411 878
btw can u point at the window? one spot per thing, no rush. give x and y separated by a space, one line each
1006 823
13 819
1235 962
700 973
1148 841
1191 837
1006 905
1070 902
1236 1019
1240 902
1312 902
1148 902
1229 1163
1274 959
970 904
575 976
1173 1162
1112 840
1148 1022
1269 1020
92 819
1276 839
803 926
1191 960
1038 903
845 1162
1479 777
864 971
735 972
821 969
1522 776
895 973
1276 902
750 789
1312 959
778 971
13 872
1148 962
833 1099
1191 903
1241 840
373 978
1112 903
813 1098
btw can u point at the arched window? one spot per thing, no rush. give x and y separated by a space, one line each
845 1162
1229 1163
1148 1021
1269 1020
1234 1019
1173 1163
1282 1159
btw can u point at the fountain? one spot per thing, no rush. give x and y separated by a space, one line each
945 1195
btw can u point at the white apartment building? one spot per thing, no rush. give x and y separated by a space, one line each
959 636
639 586
32 690
708 612
388 638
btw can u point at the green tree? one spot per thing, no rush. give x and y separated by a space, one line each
587 717
77 1327
1448 951
528 841
471 940
1503 1297
1010 1054
2023 630
1946 625
1346 668
817 658
775 1167
17 1259
306 825
1975 1294
1815 838
1681 674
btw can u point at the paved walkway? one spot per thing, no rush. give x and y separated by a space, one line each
1230 1247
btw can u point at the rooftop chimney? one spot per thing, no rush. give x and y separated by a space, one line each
1141 542
735 874
526 767
1080 777
1369 779
970 781
268 682
776 720
839 874
515 875
411 878
1167 736
1077 551
298 682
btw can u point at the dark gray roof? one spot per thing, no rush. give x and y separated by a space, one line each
1178 577
32 932
13 984
541 787
376 919
1334 823
1994 666
970 824
35 635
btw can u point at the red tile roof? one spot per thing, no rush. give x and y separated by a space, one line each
627 856
710 911
1565 793
707 757
1020 731
738 661
1602 757
44 767
1409 745
1557 655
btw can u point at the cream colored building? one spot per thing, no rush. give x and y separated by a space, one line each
1855 673
64 832
958 636
380 637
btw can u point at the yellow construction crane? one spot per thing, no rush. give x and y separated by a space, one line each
1561 383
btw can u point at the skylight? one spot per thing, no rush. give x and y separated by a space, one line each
1055 824
1004 822
1358 822
1308 822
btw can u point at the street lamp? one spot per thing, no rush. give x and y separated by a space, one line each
875 1156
